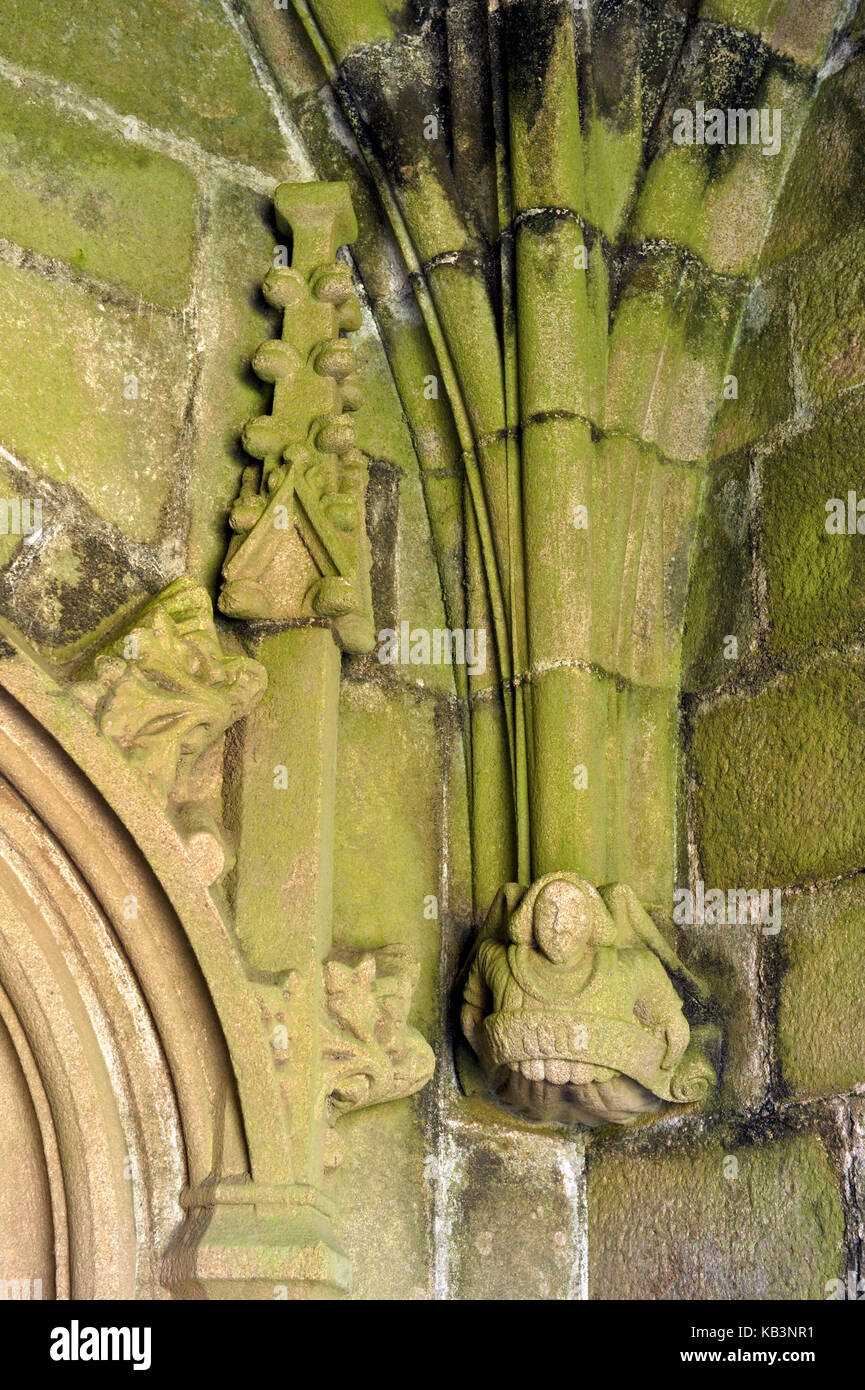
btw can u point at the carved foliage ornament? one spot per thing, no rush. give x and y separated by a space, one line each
164 691
569 1006
369 1051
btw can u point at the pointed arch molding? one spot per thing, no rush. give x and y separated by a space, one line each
159 1108
111 958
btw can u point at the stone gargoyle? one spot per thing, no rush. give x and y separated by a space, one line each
568 1004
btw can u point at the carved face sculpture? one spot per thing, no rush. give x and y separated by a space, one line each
564 917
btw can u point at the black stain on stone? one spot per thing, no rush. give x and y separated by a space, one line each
382 518
529 32
542 222
664 30
651 270
726 69
54 613
616 53
59 588
393 88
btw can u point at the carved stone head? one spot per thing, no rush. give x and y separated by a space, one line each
566 920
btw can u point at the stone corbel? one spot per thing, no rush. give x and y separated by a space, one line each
569 1005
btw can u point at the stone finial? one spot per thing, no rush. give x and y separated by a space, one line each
300 548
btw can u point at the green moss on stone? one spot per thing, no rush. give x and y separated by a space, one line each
769 1228
106 206
614 128
388 858
286 45
815 582
174 64
762 394
801 29
515 1231
616 826
829 288
669 348
380 1194
824 193
347 28
744 14
545 139
774 773
821 1022
66 359
556 326
714 200
719 598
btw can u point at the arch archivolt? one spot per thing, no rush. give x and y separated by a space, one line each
111 1045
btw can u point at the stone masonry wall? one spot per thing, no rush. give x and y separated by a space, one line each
765 1198
139 148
